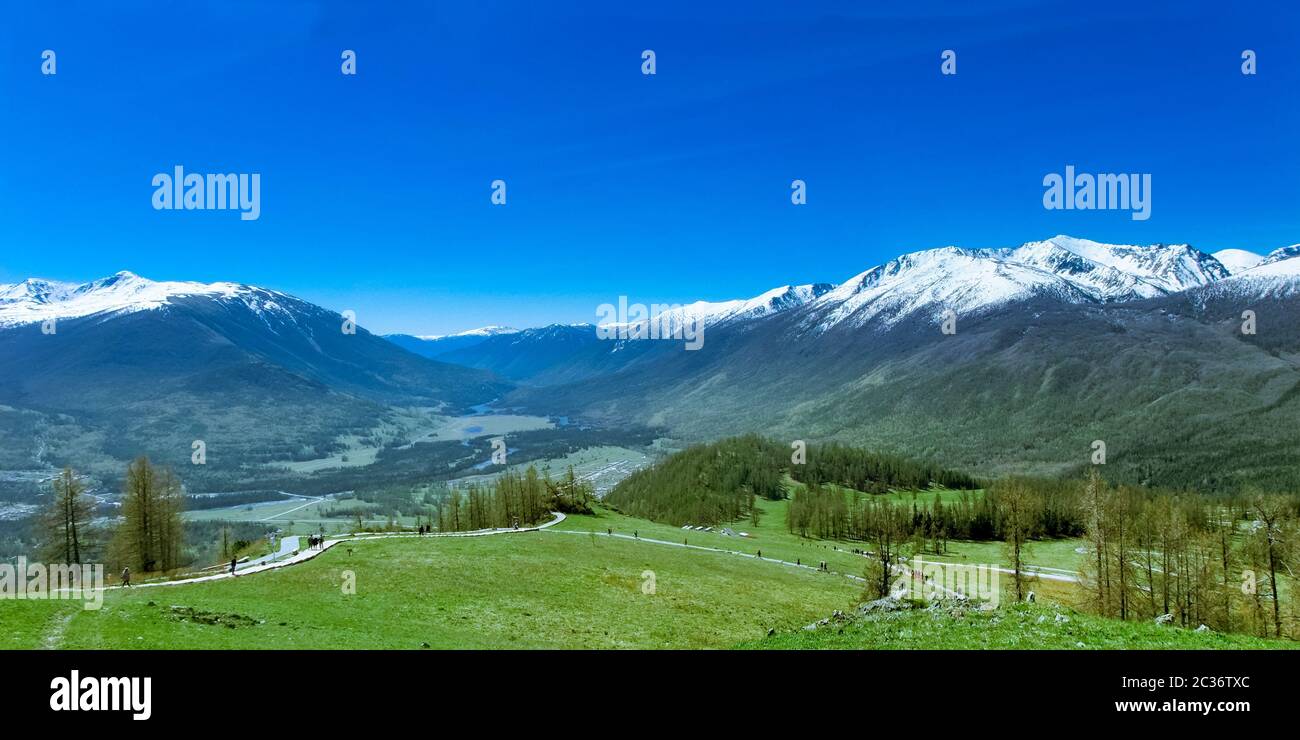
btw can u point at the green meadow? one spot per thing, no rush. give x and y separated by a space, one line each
528 590
569 587
1014 627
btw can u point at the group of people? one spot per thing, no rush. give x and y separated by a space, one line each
313 541
426 528
821 565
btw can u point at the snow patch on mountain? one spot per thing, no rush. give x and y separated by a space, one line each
1237 260
1289 268
482 331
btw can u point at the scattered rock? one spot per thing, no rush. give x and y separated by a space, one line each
1204 628
1164 619
887 604
952 607
198 616
1062 619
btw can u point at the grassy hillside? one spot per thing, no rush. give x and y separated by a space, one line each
1018 627
534 590
769 537
570 587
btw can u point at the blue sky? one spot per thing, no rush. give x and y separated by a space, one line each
664 188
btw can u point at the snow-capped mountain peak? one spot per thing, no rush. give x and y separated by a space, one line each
964 280
35 300
773 301
1281 263
1237 260
932 281
1281 254
1113 272
33 289
712 313
1276 275
483 331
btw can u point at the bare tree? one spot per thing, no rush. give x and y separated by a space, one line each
1271 547
1018 519
887 533
67 521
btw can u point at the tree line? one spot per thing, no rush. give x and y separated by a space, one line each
873 472
709 484
1049 508
1177 557
148 536
512 499
705 484
1226 563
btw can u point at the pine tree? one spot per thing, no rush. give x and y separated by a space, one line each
66 524
150 535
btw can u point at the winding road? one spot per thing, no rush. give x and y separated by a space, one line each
1050 574
271 562
291 554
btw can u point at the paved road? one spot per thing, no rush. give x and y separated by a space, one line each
262 564
1036 571
287 546
314 500
654 541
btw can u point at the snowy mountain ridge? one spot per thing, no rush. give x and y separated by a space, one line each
36 301
928 282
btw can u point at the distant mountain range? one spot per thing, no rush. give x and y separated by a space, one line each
1058 343
132 366
438 345
927 283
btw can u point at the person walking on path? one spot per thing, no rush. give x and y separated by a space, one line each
232 566
126 577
